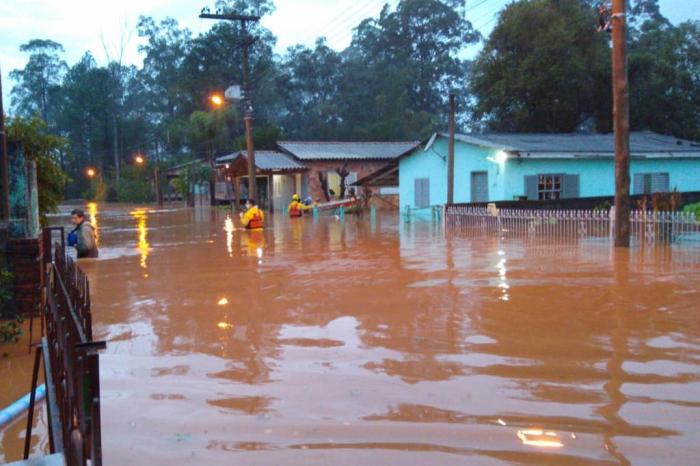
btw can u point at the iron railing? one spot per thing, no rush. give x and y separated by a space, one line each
563 225
70 360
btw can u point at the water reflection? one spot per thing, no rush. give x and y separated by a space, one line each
141 216
92 214
229 228
502 276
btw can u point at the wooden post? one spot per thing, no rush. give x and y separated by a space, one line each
4 165
269 193
621 124
451 152
237 194
159 189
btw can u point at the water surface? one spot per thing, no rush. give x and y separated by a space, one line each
387 343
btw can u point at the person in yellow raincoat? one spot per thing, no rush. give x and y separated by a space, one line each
253 218
296 207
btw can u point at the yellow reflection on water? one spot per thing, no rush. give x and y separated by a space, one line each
228 226
141 217
222 302
503 276
540 438
224 325
92 214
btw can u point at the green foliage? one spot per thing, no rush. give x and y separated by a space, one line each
544 68
664 73
97 190
193 174
11 330
133 186
264 138
47 150
10 325
693 209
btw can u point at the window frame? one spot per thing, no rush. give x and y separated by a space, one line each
549 193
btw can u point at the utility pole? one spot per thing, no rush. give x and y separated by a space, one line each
247 97
4 165
451 151
621 121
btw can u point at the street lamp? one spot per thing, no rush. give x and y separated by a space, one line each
217 100
90 172
139 159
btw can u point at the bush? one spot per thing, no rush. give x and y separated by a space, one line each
10 328
693 209
133 186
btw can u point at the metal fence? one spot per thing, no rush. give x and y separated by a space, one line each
71 362
567 225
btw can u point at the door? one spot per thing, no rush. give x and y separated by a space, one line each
282 190
422 193
480 187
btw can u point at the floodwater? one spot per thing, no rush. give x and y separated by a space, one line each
383 342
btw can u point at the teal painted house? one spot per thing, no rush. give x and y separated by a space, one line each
499 167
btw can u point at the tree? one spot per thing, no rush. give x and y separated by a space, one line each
664 68
543 69
39 79
43 148
400 67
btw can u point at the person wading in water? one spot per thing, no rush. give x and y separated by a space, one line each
83 236
253 218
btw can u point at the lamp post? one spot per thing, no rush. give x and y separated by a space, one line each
141 160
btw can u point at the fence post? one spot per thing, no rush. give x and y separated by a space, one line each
611 223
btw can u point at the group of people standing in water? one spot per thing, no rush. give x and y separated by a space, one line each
254 219
83 236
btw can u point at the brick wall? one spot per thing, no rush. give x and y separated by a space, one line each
23 260
362 168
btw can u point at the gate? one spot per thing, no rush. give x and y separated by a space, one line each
70 360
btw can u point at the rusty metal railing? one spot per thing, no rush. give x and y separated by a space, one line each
71 362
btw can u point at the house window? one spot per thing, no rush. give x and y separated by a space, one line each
650 183
552 186
549 187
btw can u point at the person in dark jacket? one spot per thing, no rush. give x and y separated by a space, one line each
83 236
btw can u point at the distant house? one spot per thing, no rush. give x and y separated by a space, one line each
360 159
496 167
278 176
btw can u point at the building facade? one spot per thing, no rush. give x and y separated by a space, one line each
500 167
325 159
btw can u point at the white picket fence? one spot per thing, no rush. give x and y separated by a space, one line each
565 225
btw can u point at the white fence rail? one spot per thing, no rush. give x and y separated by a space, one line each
564 225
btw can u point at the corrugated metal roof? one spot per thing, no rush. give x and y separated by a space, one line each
307 150
266 160
585 144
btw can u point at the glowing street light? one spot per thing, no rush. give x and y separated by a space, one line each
216 100
139 159
90 172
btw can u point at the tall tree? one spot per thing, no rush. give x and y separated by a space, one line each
664 68
39 79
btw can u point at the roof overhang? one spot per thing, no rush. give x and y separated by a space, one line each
601 156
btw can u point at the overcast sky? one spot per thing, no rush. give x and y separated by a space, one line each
82 25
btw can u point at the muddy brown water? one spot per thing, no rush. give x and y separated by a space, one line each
386 343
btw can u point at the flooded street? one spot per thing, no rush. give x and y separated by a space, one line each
386 343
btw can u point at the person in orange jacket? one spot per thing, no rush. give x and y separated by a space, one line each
253 218
296 208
